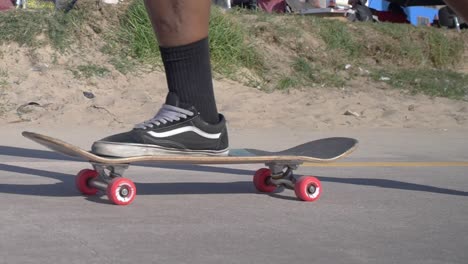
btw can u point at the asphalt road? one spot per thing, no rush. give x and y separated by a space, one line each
212 214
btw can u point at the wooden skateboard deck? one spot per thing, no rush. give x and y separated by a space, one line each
322 150
108 171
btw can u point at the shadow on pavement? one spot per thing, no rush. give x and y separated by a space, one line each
392 184
66 186
33 153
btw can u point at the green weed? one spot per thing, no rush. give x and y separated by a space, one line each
287 82
124 64
40 27
444 51
336 35
307 74
424 47
3 73
432 82
3 83
90 70
229 49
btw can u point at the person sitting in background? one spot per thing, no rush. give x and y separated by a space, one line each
361 11
21 3
394 14
249 4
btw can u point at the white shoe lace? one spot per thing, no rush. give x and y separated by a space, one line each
167 113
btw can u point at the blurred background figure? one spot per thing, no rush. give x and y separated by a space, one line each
361 11
5 5
448 18
249 4
394 14
272 6
21 3
222 3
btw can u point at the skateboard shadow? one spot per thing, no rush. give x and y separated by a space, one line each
392 184
66 186
34 153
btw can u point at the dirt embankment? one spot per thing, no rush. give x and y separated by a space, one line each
41 86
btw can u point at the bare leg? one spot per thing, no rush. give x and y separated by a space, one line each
460 7
179 22
181 27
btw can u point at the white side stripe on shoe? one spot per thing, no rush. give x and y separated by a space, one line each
183 130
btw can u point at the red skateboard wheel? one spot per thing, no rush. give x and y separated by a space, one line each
121 191
308 188
82 179
261 181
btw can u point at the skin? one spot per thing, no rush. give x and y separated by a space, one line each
179 22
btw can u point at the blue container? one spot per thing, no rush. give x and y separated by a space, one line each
379 5
418 14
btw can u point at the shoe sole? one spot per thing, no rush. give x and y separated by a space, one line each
134 150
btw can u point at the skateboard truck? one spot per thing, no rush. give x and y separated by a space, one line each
109 179
106 173
307 188
109 172
282 173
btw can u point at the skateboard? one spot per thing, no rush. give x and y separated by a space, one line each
107 172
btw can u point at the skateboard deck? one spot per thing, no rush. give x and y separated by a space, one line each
108 171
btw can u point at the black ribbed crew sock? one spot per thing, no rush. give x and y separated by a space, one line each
188 73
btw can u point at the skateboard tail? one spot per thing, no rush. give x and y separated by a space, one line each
45 141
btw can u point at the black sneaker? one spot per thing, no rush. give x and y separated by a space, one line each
176 129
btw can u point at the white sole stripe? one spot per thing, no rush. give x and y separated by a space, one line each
183 130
